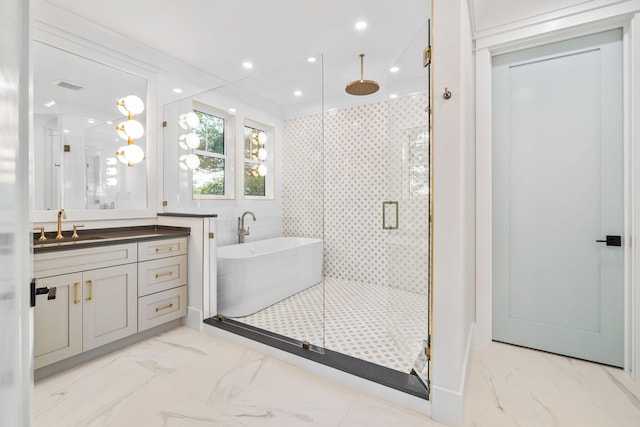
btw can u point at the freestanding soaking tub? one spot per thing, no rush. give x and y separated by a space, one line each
255 275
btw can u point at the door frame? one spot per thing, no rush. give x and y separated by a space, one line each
520 39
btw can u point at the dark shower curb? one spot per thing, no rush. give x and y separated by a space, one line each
406 383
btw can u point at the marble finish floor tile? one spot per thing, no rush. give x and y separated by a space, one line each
376 323
513 386
185 378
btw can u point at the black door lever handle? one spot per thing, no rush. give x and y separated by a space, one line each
612 241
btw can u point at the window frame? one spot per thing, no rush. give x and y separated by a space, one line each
269 179
229 151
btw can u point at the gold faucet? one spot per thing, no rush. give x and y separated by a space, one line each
62 214
75 230
41 228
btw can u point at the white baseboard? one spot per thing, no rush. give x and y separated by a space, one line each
193 319
448 405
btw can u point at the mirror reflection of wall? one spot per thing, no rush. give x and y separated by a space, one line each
47 160
75 119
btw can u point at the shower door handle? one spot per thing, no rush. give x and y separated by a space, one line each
389 215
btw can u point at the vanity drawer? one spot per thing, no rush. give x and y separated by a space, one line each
161 274
156 249
161 307
73 260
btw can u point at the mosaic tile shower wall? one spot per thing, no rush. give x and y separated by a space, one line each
372 153
302 177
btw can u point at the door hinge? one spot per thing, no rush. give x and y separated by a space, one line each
426 56
211 235
427 349
164 124
164 203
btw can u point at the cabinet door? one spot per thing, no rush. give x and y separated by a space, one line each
58 322
110 305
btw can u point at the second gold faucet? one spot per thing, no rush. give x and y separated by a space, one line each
62 214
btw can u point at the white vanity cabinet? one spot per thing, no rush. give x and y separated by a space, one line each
92 306
109 310
105 293
162 281
58 322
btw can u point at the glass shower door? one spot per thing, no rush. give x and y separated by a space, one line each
406 210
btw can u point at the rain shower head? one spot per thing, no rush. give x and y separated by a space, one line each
362 86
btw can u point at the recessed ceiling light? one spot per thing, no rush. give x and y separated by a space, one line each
247 65
232 110
361 25
50 104
91 121
393 96
311 59
394 69
177 90
109 122
298 93
66 131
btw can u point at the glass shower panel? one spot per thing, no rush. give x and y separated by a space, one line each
408 245
272 283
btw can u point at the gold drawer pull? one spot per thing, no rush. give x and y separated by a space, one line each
164 307
77 300
168 273
170 248
90 282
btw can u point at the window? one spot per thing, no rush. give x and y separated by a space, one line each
213 179
258 160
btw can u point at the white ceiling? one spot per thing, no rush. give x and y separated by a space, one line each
216 36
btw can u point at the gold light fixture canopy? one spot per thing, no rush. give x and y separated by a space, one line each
362 86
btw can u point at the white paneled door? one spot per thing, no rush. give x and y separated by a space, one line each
558 198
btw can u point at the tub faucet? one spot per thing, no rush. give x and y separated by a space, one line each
62 214
241 231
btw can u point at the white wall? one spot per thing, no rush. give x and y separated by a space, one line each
454 195
490 16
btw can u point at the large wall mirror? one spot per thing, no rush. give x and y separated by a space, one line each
75 138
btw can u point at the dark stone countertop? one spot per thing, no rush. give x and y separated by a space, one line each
89 238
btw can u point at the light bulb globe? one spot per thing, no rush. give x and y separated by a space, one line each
134 154
121 133
181 162
182 121
133 129
133 104
192 140
192 161
262 154
262 138
262 170
192 119
120 154
182 142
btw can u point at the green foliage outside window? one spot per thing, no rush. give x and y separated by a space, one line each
254 184
209 177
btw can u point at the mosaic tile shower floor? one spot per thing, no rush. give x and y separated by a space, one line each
375 323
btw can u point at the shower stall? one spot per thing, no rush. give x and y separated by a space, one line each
349 172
